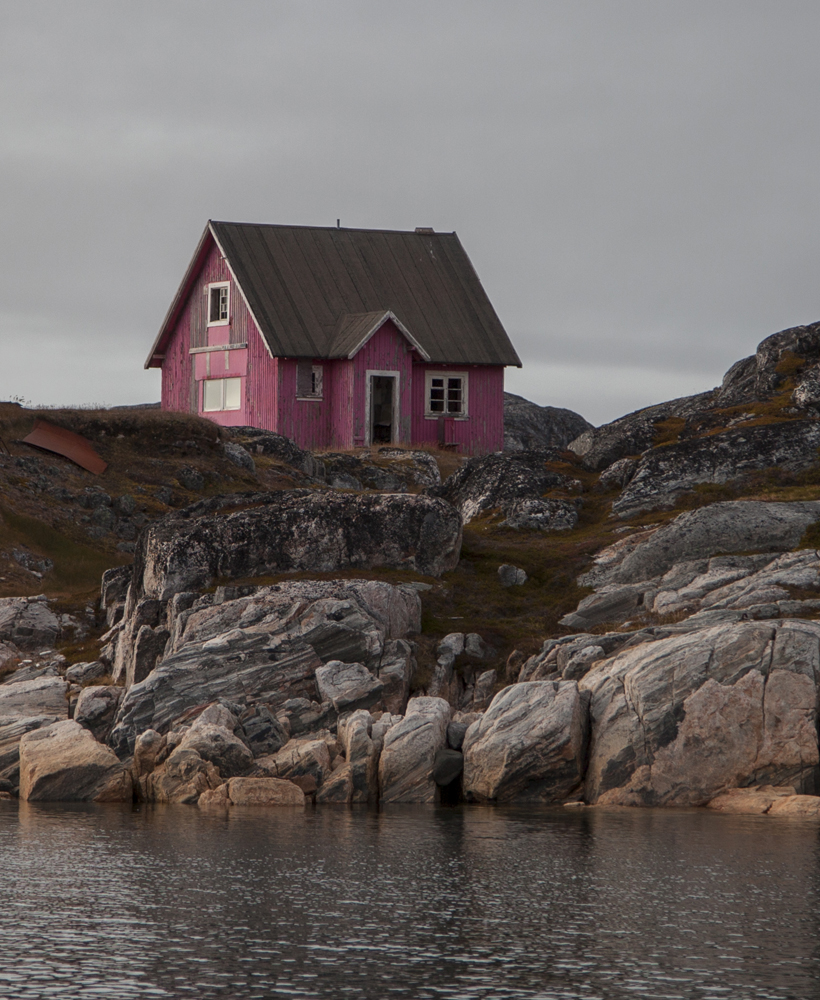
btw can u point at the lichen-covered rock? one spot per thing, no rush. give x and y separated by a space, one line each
633 433
530 744
410 747
530 427
664 474
541 515
733 526
257 534
64 763
679 720
499 483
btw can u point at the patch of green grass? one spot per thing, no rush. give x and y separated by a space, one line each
77 567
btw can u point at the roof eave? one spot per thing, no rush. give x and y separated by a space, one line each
156 355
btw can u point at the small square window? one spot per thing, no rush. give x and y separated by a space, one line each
218 304
221 394
446 394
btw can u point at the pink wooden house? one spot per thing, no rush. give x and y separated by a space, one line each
337 338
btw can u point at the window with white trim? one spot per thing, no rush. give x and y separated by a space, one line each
446 394
219 301
309 381
221 394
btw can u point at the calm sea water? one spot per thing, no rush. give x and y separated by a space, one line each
461 903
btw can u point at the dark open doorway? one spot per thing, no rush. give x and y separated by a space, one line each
382 392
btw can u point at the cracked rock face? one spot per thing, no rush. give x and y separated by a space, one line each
664 474
263 652
257 534
529 746
679 720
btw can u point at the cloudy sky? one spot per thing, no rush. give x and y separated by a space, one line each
637 182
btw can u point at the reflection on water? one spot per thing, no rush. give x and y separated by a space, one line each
456 903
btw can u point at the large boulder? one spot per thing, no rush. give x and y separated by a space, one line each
348 686
64 763
212 736
28 622
253 792
12 730
500 483
45 695
257 534
530 744
679 720
530 427
409 753
182 778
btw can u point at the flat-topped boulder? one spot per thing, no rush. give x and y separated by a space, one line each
258 534
64 763
44 695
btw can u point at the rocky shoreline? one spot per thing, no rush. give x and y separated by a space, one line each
251 657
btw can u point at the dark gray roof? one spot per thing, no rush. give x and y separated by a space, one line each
313 290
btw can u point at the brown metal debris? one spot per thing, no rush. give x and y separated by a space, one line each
73 446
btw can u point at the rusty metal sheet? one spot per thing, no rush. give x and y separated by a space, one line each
73 446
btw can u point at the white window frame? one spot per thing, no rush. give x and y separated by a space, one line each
317 376
209 289
430 414
223 388
368 388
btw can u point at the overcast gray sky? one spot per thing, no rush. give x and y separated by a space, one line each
635 181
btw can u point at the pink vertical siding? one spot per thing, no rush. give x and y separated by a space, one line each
342 374
385 351
182 372
483 430
305 421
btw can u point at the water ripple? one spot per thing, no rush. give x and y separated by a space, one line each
463 904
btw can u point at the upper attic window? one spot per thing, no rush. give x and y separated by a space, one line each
219 295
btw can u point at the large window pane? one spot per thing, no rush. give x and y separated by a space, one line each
212 394
233 393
